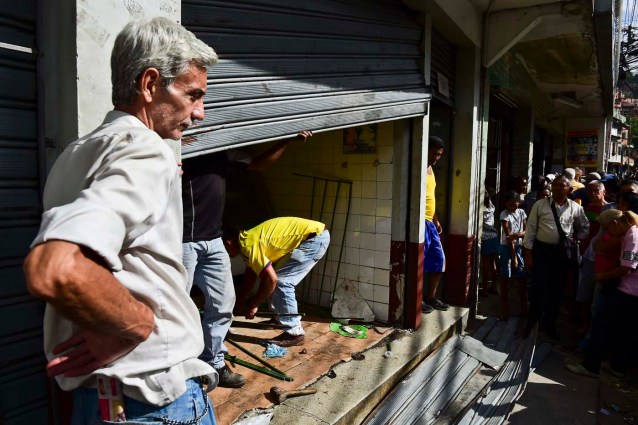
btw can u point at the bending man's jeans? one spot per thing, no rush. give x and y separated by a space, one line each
290 271
208 266
190 406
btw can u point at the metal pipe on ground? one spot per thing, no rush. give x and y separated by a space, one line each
245 351
235 360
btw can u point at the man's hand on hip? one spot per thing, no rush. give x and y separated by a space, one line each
86 352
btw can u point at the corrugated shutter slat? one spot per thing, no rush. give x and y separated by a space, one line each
23 382
292 65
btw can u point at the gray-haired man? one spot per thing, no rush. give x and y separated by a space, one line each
107 258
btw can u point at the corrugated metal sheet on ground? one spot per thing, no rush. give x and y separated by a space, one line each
290 65
426 392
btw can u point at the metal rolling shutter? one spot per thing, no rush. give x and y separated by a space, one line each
444 64
288 65
23 383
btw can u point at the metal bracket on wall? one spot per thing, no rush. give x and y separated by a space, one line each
317 182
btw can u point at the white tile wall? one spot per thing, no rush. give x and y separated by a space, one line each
382 277
384 154
366 274
366 290
384 173
368 172
369 190
355 207
368 206
384 208
384 225
381 293
353 256
368 240
382 242
367 257
382 259
366 254
380 310
368 223
384 190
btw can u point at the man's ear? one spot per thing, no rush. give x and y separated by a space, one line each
148 83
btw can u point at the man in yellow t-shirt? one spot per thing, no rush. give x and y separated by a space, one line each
281 252
433 256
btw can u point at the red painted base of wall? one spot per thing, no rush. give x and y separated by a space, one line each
458 273
406 284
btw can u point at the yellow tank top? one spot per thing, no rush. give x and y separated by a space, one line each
430 202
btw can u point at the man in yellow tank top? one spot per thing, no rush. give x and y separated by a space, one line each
433 256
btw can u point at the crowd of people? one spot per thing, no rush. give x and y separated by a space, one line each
128 229
572 233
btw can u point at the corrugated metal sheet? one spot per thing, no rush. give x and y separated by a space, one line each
423 396
288 65
23 383
444 63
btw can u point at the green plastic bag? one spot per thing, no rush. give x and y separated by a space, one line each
351 331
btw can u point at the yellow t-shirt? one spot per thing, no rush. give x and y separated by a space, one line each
430 202
272 239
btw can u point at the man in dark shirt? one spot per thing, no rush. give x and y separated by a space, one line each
205 258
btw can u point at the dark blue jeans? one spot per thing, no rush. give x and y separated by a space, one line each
187 409
548 283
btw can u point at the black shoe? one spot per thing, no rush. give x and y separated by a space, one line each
286 340
426 308
527 331
551 332
437 304
229 379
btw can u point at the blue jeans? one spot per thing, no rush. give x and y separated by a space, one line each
208 266
189 408
290 271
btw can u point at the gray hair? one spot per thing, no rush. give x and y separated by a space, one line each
570 173
597 183
159 43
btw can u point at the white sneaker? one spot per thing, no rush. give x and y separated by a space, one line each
579 369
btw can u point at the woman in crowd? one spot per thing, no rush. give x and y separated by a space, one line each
613 327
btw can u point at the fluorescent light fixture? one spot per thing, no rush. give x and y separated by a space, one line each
505 99
569 101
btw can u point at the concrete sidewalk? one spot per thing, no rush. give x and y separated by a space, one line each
556 396
356 387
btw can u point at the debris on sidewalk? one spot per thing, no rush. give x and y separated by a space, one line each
349 303
357 356
259 419
351 331
273 350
